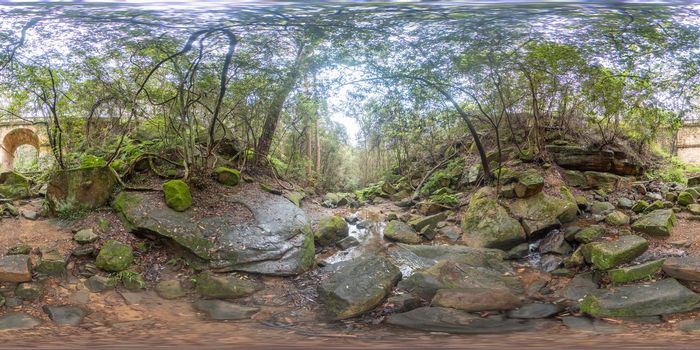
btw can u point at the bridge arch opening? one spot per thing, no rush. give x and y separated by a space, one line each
23 145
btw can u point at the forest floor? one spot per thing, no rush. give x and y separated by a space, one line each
121 318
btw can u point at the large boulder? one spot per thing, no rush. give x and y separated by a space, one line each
659 298
177 195
656 223
79 189
577 158
357 287
15 268
227 176
277 240
606 255
541 213
529 184
487 224
14 185
400 231
461 271
330 230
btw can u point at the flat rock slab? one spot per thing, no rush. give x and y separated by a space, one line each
279 241
656 223
580 286
636 272
415 257
663 297
223 310
18 320
476 299
66 315
438 319
588 325
605 255
685 268
357 287
535 310
15 268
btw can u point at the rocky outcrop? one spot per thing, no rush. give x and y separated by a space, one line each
487 224
278 241
577 158
357 287
79 189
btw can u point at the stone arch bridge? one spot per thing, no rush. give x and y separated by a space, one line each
16 133
687 143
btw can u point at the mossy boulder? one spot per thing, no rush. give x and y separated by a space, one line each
656 223
540 213
14 185
529 184
79 189
598 207
401 232
227 176
85 236
575 178
590 234
639 206
114 256
617 218
357 287
635 272
487 224
606 255
29 291
666 296
177 195
52 263
685 198
330 230
225 287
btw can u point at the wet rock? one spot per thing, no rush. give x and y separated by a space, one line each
21 249
425 256
590 234
439 319
663 297
330 230
222 310
357 287
83 188
15 268
554 242
225 287
605 255
170 289
656 223
476 299
617 218
278 242
460 271
85 236
29 291
401 232
636 272
683 268
65 315
541 213
114 256
348 242
97 283
429 207
529 184
535 310
18 320
570 233
227 176
550 262
428 221
520 251
487 224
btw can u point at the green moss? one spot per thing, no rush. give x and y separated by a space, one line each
448 200
227 176
330 230
444 177
114 256
634 273
90 161
177 195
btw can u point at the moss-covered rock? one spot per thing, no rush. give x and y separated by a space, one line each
575 178
85 236
636 272
542 212
685 198
170 289
295 197
590 234
639 206
598 207
617 218
52 263
529 184
14 185
487 224
225 287
177 195
79 189
656 223
601 180
29 291
330 230
606 255
114 256
401 232
227 176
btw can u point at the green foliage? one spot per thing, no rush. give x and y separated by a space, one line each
131 279
442 178
674 170
445 199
